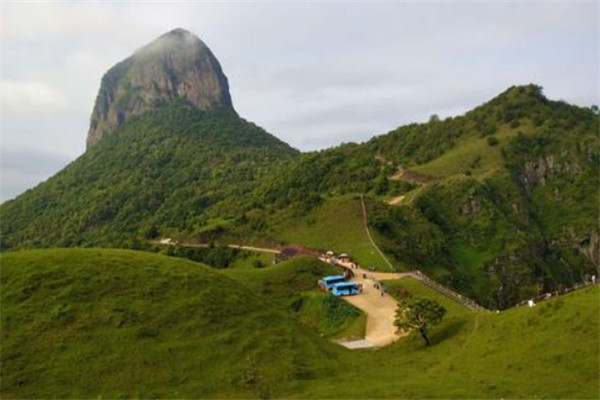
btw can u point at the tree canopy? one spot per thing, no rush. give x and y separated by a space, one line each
419 313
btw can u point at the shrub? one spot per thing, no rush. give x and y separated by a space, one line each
492 140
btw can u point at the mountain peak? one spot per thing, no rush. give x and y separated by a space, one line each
177 65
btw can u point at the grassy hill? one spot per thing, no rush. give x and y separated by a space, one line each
112 323
550 351
336 224
403 288
291 286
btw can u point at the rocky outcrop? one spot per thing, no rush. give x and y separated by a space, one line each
177 65
590 247
472 206
537 171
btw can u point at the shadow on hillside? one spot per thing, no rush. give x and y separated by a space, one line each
448 330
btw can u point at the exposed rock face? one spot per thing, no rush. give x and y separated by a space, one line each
472 206
176 65
537 171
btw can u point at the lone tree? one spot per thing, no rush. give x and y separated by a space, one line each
419 313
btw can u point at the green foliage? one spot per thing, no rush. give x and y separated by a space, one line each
492 140
173 171
214 256
420 314
74 320
328 315
278 282
335 225
408 287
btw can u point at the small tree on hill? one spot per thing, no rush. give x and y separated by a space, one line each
434 118
419 313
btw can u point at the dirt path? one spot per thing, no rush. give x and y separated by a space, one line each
380 310
252 248
231 246
366 224
396 200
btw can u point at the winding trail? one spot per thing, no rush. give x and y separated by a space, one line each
366 224
231 246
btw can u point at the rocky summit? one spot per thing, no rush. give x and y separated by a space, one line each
177 65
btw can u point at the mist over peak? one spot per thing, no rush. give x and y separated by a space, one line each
177 65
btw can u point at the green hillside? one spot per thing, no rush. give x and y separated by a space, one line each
337 225
291 286
550 351
406 287
280 281
170 172
113 323
499 203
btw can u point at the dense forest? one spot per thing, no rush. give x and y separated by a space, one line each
171 171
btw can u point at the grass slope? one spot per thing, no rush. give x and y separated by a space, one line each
471 154
123 324
550 351
335 225
291 285
89 323
397 288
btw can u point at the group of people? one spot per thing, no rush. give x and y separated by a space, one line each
379 287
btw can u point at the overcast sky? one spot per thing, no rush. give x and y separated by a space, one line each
314 74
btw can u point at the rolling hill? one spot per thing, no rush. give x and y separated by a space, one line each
115 323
